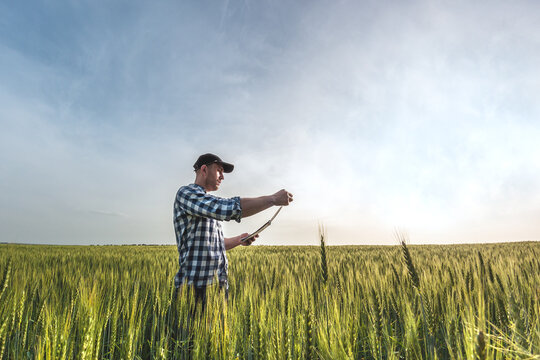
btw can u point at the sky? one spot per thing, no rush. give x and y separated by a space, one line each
421 116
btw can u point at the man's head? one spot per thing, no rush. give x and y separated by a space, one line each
209 169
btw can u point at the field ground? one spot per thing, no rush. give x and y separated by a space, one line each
349 302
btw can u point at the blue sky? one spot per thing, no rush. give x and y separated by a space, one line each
421 115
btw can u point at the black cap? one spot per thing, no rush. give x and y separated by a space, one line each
207 159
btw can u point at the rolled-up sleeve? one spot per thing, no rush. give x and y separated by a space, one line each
201 204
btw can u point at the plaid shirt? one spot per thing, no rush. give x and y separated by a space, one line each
199 237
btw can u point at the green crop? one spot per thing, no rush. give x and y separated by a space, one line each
347 302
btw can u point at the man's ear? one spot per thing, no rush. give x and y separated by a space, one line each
204 169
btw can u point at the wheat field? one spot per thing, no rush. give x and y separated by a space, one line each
319 302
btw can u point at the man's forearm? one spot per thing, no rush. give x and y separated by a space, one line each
231 243
252 206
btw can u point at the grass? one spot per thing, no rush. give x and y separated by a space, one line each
114 302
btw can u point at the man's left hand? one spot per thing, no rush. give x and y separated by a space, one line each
249 241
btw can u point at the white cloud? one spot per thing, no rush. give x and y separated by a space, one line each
373 114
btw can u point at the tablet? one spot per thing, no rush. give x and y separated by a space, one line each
267 224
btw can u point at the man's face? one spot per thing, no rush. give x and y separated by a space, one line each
214 177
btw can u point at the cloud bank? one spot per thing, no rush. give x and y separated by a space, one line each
421 115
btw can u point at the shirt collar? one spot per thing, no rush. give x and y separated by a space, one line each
198 187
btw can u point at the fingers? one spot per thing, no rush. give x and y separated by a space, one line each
250 240
284 197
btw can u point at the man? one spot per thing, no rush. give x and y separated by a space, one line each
197 222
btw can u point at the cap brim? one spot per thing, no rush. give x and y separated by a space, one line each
227 168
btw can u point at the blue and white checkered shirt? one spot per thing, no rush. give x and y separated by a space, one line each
199 236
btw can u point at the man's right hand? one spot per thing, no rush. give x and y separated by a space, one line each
282 198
